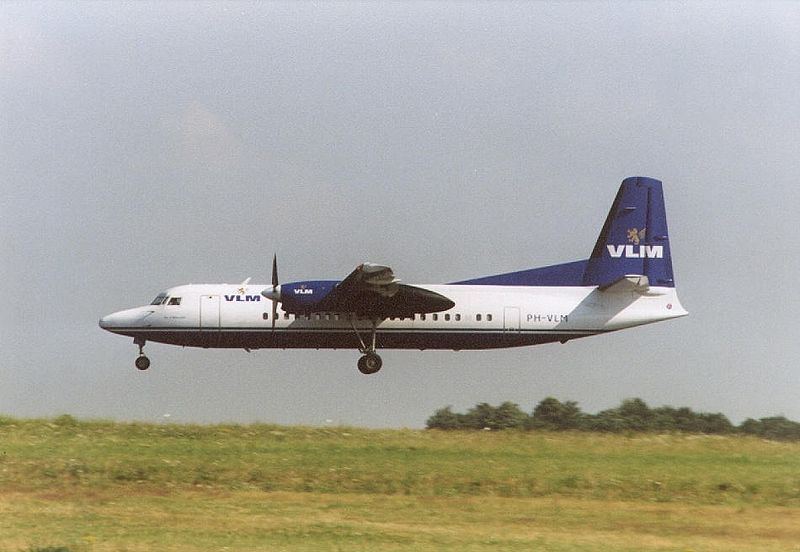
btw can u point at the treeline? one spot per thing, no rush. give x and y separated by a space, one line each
631 415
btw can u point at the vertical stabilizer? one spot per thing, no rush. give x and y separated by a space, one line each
634 239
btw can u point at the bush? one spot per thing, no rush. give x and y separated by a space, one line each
65 420
485 416
482 416
631 415
445 418
553 414
776 427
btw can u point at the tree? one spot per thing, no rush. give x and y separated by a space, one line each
775 427
445 418
506 416
551 413
715 423
636 413
509 416
630 415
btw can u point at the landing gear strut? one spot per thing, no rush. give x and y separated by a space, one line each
370 362
142 362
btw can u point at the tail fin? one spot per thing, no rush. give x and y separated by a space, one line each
634 239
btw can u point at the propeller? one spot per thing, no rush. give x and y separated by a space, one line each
275 291
274 294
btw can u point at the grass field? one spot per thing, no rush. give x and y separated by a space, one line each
94 486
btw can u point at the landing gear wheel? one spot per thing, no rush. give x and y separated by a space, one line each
369 363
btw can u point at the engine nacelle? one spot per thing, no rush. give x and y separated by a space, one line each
300 297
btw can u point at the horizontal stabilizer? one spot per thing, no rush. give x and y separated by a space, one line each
629 283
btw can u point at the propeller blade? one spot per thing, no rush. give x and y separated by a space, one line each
274 287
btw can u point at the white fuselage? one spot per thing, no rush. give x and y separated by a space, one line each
484 316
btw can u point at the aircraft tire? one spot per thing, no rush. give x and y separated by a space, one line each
142 363
369 363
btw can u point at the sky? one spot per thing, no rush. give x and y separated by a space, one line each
145 145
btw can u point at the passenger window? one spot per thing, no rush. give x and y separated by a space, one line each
422 317
489 317
174 301
477 317
265 316
447 317
458 318
435 317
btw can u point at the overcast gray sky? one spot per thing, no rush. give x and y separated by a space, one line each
145 145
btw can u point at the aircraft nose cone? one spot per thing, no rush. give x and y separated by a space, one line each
130 318
110 321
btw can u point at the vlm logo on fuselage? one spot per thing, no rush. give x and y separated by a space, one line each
636 251
246 298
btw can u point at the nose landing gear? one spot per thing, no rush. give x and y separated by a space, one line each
142 362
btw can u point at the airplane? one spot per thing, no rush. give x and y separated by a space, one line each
627 281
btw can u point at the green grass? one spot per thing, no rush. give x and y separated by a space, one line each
103 486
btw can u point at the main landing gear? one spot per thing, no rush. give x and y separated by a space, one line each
142 362
370 362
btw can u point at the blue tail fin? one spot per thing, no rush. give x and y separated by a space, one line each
634 239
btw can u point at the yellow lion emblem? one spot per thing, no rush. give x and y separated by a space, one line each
635 235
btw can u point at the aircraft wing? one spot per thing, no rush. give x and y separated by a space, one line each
372 290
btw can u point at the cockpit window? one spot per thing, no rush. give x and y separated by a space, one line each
174 301
159 300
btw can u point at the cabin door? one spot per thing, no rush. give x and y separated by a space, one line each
511 320
209 312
